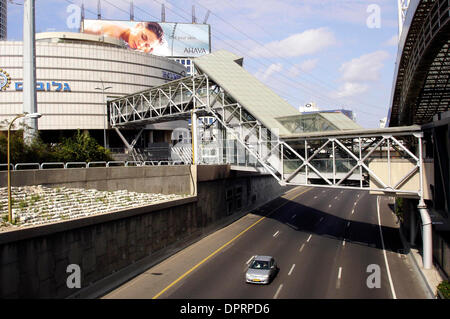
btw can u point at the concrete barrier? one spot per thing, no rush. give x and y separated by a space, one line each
146 179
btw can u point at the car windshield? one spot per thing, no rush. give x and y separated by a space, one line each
259 264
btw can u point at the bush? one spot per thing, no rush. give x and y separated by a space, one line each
444 289
79 148
37 152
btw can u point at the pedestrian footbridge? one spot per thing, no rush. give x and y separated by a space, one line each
252 128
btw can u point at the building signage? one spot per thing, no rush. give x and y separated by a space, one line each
5 80
53 86
170 76
47 86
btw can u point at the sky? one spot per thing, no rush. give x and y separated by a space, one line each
336 53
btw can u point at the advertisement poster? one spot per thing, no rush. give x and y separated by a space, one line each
163 39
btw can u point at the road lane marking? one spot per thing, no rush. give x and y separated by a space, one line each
278 291
336 197
295 215
226 244
301 248
353 211
276 234
394 296
329 206
348 224
309 238
250 260
343 243
315 197
292 268
338 282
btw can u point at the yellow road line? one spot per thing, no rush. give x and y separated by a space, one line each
223 246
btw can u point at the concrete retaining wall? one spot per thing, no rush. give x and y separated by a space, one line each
113 248
147 179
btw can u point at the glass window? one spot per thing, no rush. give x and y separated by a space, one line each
188 62
183 62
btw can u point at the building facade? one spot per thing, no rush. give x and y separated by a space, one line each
3 20
76 73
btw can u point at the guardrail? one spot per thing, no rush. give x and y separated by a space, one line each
71 165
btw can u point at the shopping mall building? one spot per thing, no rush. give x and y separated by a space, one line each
76 73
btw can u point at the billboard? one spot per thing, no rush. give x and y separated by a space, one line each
158 38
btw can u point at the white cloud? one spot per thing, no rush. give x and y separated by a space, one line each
359 72
392 41
305 43
365 68
351 89
309 65
273 68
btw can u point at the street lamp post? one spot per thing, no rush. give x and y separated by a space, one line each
28 116
103 89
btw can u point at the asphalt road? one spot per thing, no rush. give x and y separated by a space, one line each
323 241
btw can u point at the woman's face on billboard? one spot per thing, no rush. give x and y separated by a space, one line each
142 39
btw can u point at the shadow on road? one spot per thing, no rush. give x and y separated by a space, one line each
314 221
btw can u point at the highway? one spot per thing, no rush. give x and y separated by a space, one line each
322 239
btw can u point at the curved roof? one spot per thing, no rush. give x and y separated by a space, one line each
421 85
225 68
78 37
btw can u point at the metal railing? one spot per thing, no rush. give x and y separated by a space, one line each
71 165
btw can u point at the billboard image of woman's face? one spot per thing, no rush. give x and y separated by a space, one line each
142 36
163 39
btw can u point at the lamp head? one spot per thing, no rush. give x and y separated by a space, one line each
33 116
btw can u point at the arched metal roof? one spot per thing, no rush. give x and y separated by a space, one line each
421 86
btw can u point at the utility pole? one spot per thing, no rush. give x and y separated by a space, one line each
131 11
99 10
29 70
105 112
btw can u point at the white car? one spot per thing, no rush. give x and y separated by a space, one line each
262 270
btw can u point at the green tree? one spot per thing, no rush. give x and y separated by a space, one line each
81 148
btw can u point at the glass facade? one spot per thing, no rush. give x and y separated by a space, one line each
188 64
3 20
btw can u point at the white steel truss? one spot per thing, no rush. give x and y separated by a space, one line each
339 161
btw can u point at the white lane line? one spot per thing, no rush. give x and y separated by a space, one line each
250 260
315 197
301 248
278 291
336 197
342 192
338 281
329 206
309 238
353 211
348 224
358 195
394 296
295 215
292 268
343 243
276 234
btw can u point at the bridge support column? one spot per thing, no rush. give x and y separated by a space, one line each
427 240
